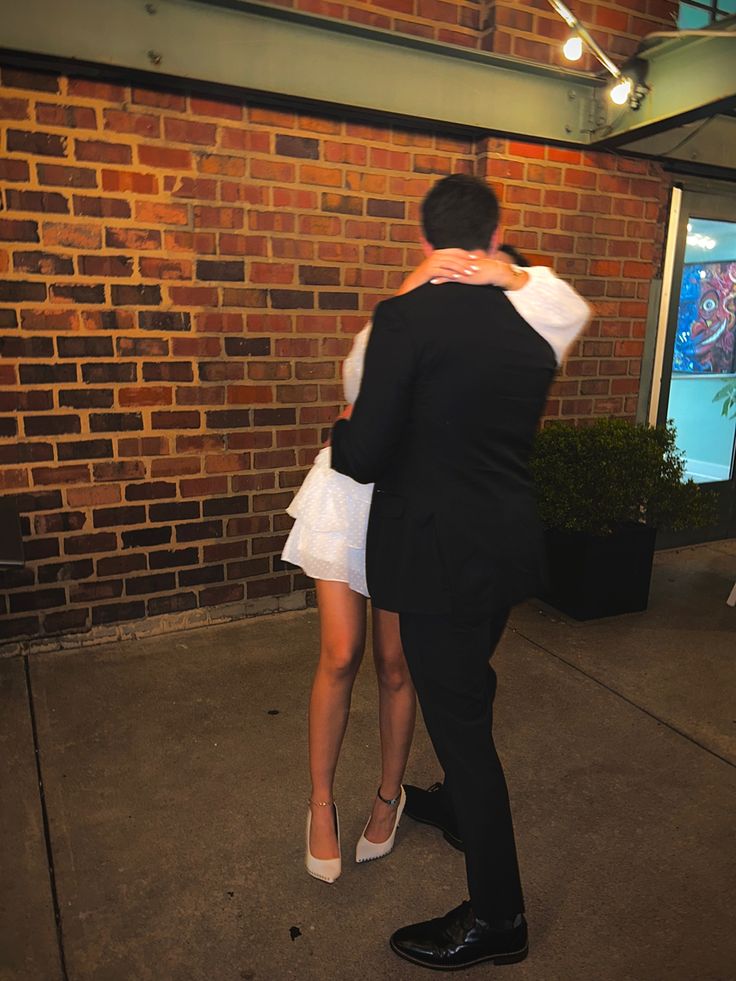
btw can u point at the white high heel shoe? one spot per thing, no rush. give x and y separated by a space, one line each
366 851
326 869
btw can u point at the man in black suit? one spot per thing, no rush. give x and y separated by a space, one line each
453 387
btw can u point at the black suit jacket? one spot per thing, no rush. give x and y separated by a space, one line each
453 387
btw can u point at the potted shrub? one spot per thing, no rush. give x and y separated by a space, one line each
604 490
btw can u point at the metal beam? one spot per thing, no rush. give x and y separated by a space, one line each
690 78
263 49
708 142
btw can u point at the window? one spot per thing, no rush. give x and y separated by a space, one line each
695 14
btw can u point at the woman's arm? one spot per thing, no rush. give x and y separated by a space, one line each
550 305
459 266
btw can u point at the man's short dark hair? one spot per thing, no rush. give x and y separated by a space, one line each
460 212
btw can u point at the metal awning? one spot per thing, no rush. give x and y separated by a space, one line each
689 115
286 56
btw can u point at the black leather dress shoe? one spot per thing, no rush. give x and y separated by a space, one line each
433 806
459 939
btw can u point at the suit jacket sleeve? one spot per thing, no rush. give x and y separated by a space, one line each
363 446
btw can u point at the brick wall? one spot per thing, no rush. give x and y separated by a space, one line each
180 278
527 29
531 29
463 22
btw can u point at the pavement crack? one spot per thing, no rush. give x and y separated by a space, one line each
45 819
625 698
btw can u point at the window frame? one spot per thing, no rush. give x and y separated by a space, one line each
710 7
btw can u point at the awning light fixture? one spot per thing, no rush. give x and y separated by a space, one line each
629 85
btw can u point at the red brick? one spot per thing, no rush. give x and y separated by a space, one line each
130 181
90 496
102 152
267 221
219 109
203 486
294 199
162 214
155 268
135 123
189 131
146 395
200 395
165 157
268 587
14 170
36 143
213 163
14 108
324 176
159 99
214 217
66 116
249 394
533 150
217 595
95 207
103 91
271 272
249 142
18 231
135 239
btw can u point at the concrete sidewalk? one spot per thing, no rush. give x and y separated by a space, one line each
168 839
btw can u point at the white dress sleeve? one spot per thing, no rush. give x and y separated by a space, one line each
352 367
552 307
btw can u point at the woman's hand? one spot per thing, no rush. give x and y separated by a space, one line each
441 266
345 414
459 266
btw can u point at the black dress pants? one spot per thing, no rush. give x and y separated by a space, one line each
449 665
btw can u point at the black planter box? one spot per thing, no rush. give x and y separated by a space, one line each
593 576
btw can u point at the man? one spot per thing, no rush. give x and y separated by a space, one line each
556 312
453 387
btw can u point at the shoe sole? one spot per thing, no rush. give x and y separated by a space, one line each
456 843
321 878
513 957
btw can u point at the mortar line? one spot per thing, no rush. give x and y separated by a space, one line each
46 825
625 698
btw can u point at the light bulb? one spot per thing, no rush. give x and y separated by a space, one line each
573 48
621 91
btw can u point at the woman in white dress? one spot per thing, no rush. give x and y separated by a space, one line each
328 542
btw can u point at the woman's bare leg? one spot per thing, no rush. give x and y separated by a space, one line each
396 714
342 616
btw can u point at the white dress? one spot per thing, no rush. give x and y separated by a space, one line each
328 537
331 510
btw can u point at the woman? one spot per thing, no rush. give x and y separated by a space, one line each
328 542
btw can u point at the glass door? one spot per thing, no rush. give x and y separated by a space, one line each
698 351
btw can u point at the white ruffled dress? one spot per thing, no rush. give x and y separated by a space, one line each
327 539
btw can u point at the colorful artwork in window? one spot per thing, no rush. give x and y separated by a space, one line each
706 319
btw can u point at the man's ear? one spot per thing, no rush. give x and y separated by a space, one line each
495 239
426 248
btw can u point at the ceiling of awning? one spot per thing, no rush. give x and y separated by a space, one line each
688 118
689 115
